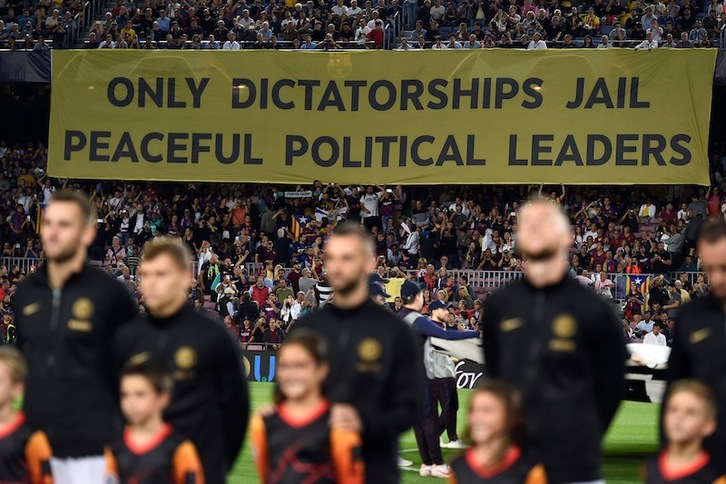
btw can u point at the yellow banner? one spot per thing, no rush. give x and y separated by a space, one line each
484 116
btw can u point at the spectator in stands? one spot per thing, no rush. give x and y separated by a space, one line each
645 326
418 30
674 301
711 24
537 43
687 20
453 43
655 337
605 43
472 43
107 43
231 43
618 35
40 45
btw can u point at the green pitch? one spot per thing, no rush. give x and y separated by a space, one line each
633 435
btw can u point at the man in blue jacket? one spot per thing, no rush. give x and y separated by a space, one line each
427 428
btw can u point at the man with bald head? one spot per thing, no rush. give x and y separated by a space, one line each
561 345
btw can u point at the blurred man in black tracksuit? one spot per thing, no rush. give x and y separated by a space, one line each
67 315
209 402
700 335
561 346
375 364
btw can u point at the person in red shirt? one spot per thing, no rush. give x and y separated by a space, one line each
713 198
260 292
598 256
628 236
376 35
668 214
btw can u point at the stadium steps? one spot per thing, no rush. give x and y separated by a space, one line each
108 6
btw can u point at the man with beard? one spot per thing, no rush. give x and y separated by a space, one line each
561 346
374 383
698 342
67 315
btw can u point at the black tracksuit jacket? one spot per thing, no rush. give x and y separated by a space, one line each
562 347
67 338
210 403
699 351
376 366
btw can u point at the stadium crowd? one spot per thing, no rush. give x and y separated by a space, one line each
346 24
27 25
260 248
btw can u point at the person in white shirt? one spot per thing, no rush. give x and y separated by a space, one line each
647 210
369 203
47 189
648 43
487 242
656 30
536 43
453 44
605 42
683 212
413 239
245 21
354 9
404 45
108 43
375 16
655 337
437 11
297 306
231 43
339 9
438 45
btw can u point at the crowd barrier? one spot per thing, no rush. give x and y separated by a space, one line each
483 280
261 366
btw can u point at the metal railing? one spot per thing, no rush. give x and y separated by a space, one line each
24 264
483 280
248 45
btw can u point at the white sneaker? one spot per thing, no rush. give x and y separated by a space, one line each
425 471
443 444
457 444
443 471
404 462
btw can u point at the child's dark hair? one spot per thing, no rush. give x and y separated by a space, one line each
512 400
153 371
313 344
696 387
